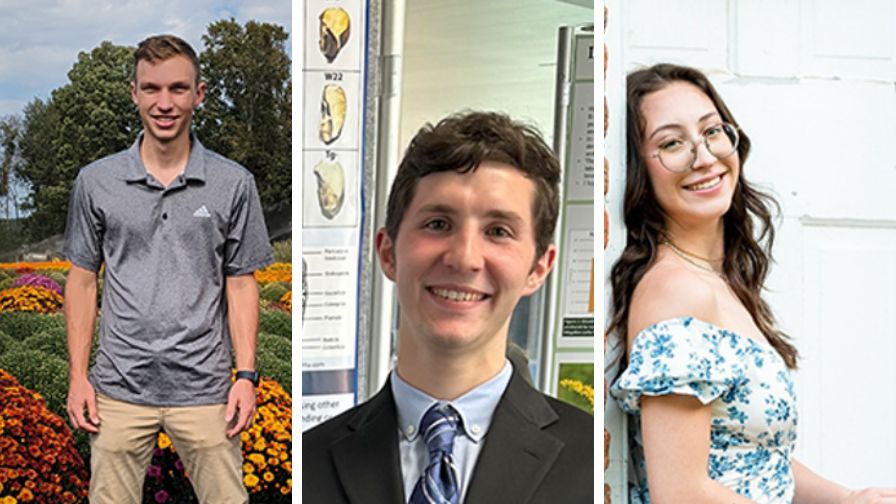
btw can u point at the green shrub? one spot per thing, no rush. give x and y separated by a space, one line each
273 291
282 251
274 359
20 325
52 341
41 372
6 283
278 345
271 366
5 273
7 343
275 322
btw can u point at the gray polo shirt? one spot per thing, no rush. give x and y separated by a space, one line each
164 338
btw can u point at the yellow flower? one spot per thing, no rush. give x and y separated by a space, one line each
268 476
164 440
582 389
277 272
256 458
248 468
250 480
9 500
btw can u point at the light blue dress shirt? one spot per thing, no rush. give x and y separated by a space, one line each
476 409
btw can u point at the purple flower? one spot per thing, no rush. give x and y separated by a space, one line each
179 465
161 496
157 451
154 471
38 281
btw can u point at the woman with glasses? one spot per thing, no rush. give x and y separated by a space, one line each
707 374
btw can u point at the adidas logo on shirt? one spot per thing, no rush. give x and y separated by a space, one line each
202 212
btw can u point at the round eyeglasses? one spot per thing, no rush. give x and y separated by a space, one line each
678 154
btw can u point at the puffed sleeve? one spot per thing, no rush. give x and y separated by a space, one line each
680 356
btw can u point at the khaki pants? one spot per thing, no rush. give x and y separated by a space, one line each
121 451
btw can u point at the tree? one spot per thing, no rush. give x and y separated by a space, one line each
10 164
9 133
247 114
90 117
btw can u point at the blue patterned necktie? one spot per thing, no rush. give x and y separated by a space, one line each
440 481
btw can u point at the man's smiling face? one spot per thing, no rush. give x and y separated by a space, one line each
166 92
463 257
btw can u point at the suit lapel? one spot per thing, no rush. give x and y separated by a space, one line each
367 459
517 453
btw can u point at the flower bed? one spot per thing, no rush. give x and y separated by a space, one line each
38 460
277 272
42 265
36 280
30 298
33 349
267 455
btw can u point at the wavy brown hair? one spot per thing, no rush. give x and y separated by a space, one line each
463 141
749 231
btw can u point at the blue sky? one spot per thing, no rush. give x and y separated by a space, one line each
40 39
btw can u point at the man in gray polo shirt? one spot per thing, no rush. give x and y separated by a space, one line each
179 230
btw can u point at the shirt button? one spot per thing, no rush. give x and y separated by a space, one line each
475 429
411 430
164 216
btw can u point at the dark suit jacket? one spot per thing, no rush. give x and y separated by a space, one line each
538 450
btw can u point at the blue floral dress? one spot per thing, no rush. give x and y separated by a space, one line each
748 387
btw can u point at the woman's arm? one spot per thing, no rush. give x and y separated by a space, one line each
813 489
675 430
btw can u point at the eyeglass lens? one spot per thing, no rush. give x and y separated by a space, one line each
680 154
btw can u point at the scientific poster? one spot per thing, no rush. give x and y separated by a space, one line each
328 329
330 184
332 214
576 294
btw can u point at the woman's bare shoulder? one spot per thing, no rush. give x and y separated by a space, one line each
670 290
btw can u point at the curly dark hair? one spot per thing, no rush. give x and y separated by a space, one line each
749 231
460 143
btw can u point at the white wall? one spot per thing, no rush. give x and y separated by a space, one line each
813 82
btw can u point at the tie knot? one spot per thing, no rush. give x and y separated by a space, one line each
439 428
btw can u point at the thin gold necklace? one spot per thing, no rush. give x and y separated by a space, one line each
684 255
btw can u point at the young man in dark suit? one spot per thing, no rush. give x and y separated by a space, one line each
469 229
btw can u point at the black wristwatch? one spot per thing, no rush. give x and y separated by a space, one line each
252 376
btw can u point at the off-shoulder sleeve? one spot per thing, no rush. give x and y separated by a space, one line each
681 356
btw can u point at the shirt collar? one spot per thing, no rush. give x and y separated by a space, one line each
195 169
475 408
